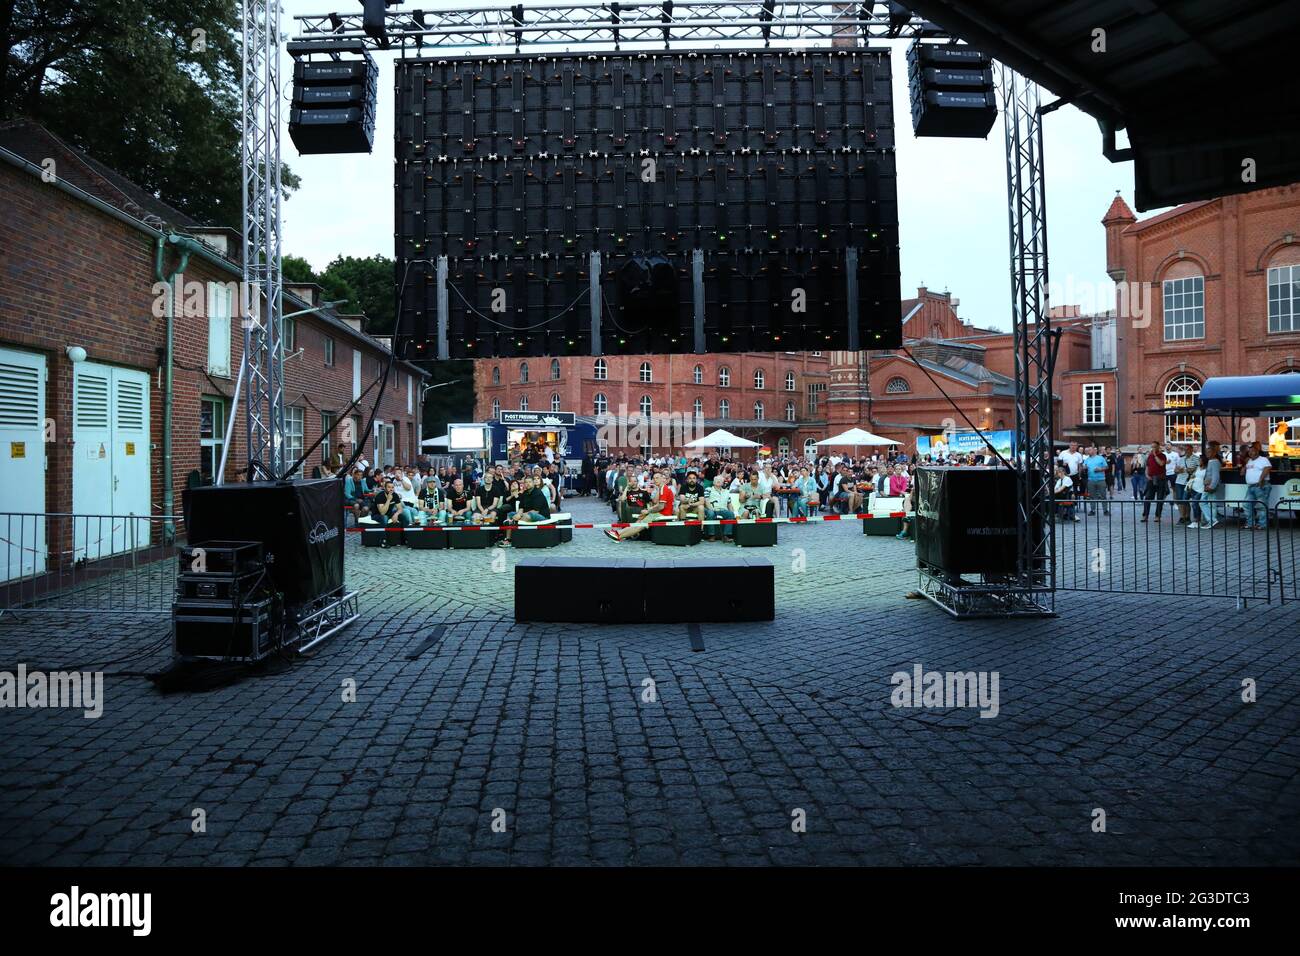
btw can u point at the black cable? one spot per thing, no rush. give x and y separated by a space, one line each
936 384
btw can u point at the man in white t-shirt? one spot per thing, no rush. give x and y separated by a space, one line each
1257 471
1072 459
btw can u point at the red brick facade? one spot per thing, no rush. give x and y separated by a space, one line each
1221 253
676 383
74 274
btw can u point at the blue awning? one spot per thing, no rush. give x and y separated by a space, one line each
1247 394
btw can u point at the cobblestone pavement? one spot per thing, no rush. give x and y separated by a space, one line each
1126 703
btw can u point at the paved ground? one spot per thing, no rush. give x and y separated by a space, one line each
1127 704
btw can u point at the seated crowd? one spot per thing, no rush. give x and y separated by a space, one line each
397 496
642 491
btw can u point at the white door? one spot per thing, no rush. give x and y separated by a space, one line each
22 451
110 465
131 478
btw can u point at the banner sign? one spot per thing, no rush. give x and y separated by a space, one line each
518 419
965 443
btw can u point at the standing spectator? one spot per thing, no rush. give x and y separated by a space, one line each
1257 471
1196 490
1157 484
1095 469
1184 466
1137 469
1173 464
1212 486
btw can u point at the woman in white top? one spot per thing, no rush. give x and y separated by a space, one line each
1195 487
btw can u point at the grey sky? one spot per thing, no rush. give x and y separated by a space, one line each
951 196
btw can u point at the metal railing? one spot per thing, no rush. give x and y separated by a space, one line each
108 564
1121 545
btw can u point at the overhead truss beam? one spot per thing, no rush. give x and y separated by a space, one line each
622 25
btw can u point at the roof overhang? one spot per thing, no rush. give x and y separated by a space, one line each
1205 88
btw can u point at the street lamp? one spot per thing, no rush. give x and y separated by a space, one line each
424 391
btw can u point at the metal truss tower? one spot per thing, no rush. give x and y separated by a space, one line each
1032 334
260 298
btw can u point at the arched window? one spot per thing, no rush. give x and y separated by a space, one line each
724 376
759 378
646 375
600 371
523 371
600 404
897 386
783 446
496 408
697 376
555 402
645 405
555 370
1184 308
1181 392
810 448
789 411
699 408
758 411
523 403
496 374
724 409
789 381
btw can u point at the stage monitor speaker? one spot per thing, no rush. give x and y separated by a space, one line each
966 520
300 524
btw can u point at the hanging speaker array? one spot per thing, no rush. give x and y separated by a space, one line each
733 201
334 90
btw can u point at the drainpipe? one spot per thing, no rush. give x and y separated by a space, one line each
187 247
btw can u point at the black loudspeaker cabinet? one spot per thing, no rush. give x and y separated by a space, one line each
299 523
223 630
644 590
777 167
966 520
951 89
333 105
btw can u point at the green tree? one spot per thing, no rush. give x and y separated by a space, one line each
150 88
372 289
296 269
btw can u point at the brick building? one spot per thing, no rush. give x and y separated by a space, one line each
80 249
772 397
1208 288
790 400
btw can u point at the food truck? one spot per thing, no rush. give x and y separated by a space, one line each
528 436
1241 398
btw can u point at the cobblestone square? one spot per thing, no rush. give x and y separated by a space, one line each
464 719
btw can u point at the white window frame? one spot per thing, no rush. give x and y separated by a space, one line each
523 372
790 385
760 409
523 403
555 402
1183 308
646 405
791 411
1284 288
697 375
220 307
724 376
724 408
600 404
1097 389
294 430
647 373
600 370
760 379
